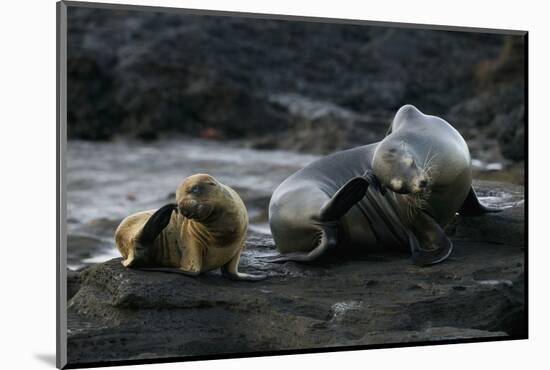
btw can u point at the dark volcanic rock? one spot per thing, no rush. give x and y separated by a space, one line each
120 314
321 127
512 133
73 283
496 108
506 227
145 73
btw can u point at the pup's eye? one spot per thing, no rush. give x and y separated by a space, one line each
195 189
211 183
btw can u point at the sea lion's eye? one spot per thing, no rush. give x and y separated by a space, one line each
211 183
195 189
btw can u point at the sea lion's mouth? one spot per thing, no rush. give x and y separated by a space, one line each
402 191
419 199
420 188
417 191
194 209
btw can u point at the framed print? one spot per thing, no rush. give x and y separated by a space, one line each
238 184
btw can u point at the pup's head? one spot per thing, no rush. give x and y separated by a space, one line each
198 195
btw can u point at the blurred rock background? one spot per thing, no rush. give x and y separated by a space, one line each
300 86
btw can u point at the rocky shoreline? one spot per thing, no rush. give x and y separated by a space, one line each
120 314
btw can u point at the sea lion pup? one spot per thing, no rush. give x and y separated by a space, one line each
204 230
399 192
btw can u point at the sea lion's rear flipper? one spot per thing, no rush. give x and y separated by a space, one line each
143 242
326 240
348 195
472 206
231 271
428 242
173 270
241 276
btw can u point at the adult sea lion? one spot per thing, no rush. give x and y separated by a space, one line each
423 163
205 229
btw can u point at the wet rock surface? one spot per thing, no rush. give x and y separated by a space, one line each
119 314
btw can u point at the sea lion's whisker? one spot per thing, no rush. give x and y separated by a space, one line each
427 156
430 160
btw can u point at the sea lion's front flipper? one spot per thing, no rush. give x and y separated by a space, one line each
231 271
428 242
349 194
472 206
143 242
156 223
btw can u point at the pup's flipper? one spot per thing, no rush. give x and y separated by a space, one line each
156 223
173 270
241 276
139 254
231 271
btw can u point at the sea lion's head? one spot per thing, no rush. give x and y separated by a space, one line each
397 168
198 196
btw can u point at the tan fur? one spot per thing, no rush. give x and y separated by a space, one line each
194 245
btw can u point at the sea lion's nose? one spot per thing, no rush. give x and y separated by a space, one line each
422 184
182 211
187 207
